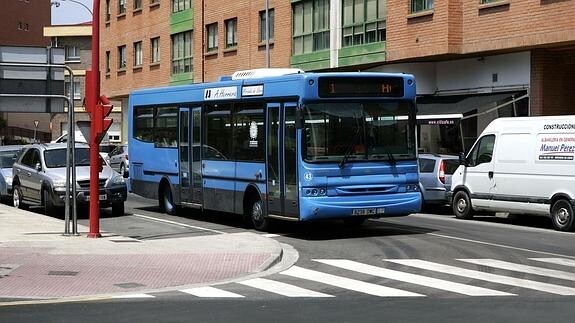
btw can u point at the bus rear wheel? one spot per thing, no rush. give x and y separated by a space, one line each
259 221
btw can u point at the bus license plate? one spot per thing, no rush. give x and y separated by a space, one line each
370 211
102 197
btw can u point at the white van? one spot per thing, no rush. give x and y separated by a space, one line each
521 166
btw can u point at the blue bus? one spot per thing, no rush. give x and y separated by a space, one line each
279 144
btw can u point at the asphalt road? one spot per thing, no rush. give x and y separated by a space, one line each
424 267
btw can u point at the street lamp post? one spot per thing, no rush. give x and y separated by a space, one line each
57 4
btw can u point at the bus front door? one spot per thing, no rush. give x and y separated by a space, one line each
189 151
281 161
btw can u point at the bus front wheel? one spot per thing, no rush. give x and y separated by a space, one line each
259 221
167 200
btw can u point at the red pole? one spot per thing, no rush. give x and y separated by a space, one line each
91 103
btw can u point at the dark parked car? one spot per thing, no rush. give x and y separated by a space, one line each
435 177
40 179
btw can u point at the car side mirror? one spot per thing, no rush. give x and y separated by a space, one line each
463 160
38 167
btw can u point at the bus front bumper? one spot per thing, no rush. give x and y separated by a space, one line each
370 206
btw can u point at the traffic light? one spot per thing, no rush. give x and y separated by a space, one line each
100 124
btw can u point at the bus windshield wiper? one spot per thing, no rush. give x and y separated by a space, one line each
349 149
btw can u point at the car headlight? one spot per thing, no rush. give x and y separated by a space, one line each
117 180
59 183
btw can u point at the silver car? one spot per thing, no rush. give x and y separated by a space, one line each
8 155
435 177
40 179
118 160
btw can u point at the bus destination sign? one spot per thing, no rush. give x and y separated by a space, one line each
367 87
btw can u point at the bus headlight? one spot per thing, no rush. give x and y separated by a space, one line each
314 191
412 188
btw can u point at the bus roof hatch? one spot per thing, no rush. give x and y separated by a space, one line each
264 72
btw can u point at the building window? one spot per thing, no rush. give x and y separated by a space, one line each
72 54
231 32
138 57
181 5
154 2
271 14
155 47
107 10
363 21
182 50
422 5
122 57
108 61
310 26
121 7
137 4
212 34
77 94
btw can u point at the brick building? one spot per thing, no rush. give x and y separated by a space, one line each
21 24
77 43
480 59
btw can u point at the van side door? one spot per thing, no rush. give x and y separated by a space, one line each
478 175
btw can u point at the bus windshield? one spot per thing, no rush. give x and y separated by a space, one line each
359 131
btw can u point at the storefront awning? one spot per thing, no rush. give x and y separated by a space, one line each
463 104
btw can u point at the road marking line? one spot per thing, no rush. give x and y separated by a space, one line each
271 235
413 278
281 288
347 283
499 245
210 292
134 296
177 223
558 261
521 268
473 274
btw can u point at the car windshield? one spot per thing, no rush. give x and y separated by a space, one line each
56 158
7 158
359 131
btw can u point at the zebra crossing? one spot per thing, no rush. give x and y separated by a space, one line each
404 278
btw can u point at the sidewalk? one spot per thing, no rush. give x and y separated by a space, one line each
38 262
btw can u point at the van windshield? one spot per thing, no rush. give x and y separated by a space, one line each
56 158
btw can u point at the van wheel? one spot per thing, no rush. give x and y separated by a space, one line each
462 206
260 222
17 198
167 200
562 215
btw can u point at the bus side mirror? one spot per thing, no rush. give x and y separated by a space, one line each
462 160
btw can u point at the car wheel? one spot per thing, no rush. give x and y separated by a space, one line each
259 221
462 206
118 209
49 208
562 215
17 198
167 200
